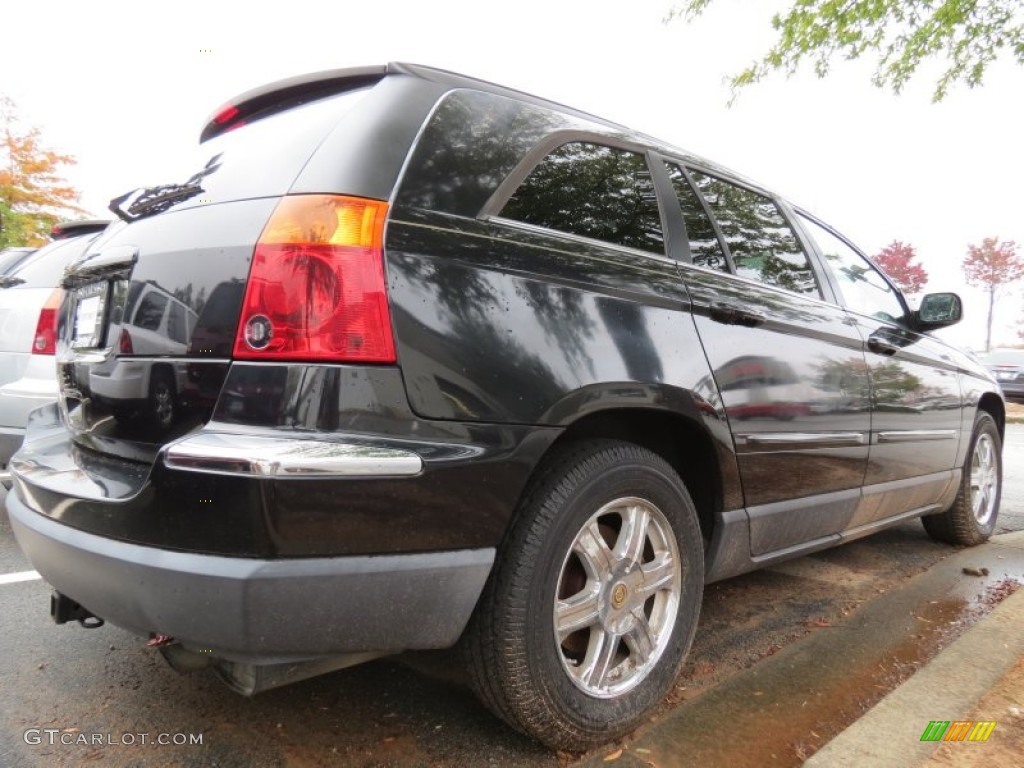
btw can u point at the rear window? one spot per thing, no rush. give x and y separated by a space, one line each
45 267
264 158
10 258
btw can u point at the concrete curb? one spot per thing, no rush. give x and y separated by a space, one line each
947 688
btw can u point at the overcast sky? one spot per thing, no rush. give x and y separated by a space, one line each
126 86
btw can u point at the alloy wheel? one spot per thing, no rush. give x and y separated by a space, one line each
618 596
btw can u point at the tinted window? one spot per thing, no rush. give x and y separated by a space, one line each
862 287
10 258
592 191
705 249
150 311
471 144
45 267
763 245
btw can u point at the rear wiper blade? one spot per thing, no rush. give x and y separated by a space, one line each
9 282
150 201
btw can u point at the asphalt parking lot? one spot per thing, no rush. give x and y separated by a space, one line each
101 697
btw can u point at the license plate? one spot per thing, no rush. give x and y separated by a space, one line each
90 302
1005 375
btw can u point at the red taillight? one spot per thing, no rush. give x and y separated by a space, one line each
225 113
316 287
124 343
45 340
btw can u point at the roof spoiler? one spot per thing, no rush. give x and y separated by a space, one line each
293 91
284 94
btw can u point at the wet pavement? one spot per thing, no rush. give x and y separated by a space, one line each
781 712
783 659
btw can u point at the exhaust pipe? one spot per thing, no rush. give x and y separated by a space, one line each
63 609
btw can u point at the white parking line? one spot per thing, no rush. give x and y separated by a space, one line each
14 578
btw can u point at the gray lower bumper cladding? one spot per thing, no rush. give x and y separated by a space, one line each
260 611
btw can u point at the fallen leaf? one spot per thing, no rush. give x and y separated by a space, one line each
613 756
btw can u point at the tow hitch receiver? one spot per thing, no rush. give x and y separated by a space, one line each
63 609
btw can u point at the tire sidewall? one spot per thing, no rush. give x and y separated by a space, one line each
161 379
984 424
623 479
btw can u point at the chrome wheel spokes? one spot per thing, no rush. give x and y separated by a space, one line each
618 597
984 479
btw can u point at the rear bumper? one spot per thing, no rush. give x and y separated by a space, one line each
281 494
259 611
1012 389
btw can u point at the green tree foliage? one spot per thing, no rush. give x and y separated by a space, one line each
991 265
967 34
33 194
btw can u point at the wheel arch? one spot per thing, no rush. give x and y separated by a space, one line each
994 406
685 443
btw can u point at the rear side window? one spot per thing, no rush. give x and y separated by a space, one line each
763 245
593 191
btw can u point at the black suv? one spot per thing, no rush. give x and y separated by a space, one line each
464 366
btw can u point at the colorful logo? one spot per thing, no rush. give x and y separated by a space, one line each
958 730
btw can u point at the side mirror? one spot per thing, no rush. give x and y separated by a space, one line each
938 310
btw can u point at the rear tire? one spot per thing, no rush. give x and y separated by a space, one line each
972 518
593 603
163 396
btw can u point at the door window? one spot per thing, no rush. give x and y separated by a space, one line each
705 249
863 288
593 191
763 245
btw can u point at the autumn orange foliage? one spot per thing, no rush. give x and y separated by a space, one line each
33 194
